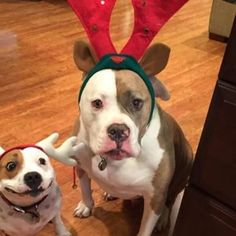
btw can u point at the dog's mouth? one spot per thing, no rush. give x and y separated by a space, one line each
116 154
30 192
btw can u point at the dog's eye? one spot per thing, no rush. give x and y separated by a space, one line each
97 104
11 166
137 104
42 161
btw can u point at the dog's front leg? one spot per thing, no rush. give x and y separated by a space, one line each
59 226
149 219
85 206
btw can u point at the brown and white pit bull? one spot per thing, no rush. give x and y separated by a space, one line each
152 160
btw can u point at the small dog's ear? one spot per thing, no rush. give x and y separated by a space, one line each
160 89
155 59
1 150
84 56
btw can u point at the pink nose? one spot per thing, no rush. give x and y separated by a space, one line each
118 132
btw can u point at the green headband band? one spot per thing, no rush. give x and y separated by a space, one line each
121 62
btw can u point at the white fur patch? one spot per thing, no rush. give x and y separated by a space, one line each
101 84
31 163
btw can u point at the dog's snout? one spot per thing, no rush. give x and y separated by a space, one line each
33 179
118 132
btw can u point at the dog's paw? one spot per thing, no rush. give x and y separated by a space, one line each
82 211
163 221
108 197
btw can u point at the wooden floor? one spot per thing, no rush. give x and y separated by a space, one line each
39 84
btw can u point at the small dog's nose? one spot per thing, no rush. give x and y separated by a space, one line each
33 179
118 132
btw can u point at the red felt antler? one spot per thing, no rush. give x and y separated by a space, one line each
95 16
150 16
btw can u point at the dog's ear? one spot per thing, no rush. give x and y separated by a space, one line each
155 59
84 56
160 89
1 150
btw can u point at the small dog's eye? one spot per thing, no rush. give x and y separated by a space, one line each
97 104
11 166
137 103
42 161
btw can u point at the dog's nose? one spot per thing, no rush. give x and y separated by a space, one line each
118 132
33 179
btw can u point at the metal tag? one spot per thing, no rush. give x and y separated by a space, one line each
102 164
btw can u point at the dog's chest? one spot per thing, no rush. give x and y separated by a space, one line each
25 224
132 176
126 178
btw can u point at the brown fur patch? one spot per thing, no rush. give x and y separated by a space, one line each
160 182
129 87
174 169
12 156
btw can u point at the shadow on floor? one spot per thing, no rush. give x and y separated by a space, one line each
130 215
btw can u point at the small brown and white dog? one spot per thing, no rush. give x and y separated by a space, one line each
29 194
136 158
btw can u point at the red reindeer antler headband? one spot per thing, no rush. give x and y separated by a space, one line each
21 147
149 17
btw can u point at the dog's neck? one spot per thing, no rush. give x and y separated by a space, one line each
30 210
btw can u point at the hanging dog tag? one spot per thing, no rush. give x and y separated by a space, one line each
102 164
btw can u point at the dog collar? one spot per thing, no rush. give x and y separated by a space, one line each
21 147
121 62
32 210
